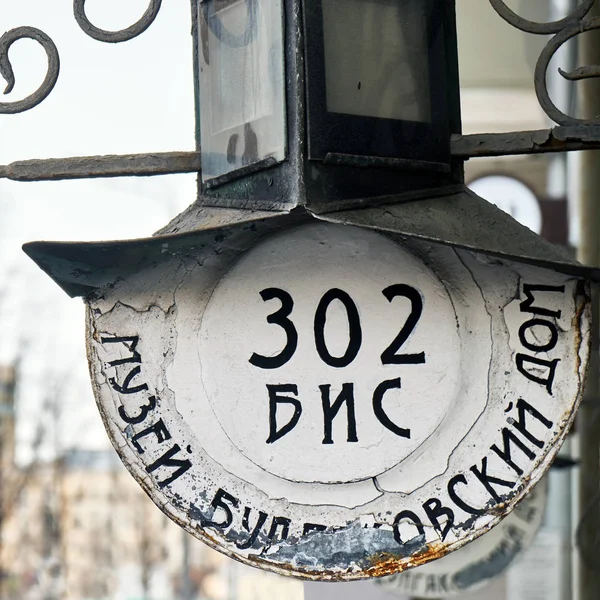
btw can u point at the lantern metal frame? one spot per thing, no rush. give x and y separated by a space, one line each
570 134
343 135
340 183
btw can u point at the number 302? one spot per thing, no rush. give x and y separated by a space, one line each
389 356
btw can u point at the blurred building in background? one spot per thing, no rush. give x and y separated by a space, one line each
81 528
497 65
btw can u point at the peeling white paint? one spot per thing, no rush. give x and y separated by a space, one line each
184 365
476 565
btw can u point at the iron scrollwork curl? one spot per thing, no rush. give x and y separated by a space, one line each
581 73
19 33
114 37
6 70
541 28
565 29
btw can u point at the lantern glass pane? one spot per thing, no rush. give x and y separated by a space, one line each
376 58
241 84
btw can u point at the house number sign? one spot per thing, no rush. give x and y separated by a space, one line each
333 402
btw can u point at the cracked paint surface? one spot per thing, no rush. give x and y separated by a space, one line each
477 564
190 415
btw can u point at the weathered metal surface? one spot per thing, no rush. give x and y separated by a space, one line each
466 221
477 564
6 70
241 172
461 220
330 402
558 139
87 167
114 37
398 164
81 269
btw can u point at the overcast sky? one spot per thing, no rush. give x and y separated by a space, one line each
135 96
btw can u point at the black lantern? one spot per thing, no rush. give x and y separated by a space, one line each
339 110
317 101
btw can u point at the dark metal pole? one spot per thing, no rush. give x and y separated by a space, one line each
588 423
560 504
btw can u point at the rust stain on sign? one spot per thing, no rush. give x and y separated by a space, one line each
475 565
386 564
333 403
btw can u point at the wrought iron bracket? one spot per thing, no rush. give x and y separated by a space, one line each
540 141
52 73
571 134
88 167
463 147
114 37
6 70
565 29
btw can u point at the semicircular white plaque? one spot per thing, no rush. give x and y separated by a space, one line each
334 403
477 564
